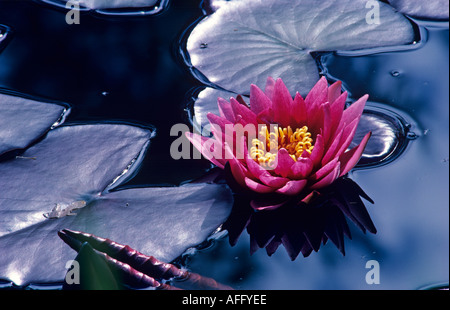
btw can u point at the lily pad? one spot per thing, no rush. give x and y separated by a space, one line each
72 163
113 7
23 120
431 9
245 41
86 163
162 222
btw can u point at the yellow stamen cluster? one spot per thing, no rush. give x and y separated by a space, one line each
265 147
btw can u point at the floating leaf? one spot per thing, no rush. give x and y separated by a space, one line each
24 120
114 7
85 163
162 222
245 41
72 163
431 9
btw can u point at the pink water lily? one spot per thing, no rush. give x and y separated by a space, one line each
301 144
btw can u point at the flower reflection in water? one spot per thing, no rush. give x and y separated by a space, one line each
300 226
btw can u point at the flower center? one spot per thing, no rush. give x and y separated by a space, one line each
264 148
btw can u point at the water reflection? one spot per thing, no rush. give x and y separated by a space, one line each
4 36
302 227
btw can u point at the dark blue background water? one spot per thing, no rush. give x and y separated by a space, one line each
129 70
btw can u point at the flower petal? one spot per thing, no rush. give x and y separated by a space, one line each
318 150
299 110
350 159
337 109
334 91
284 163
333 148
317 95
204 146
225 110
292 187
270 87
258 100
243 111
354 111
282 104
262 174
237 169
301 168
327 179
258 187
325 170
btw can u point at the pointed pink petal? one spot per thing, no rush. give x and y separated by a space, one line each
316 97
237 169
282 104
258 100
245 113
328 179
325 170
220 121
318 150
350 159
299 111
319 90
265 117
334 91
270 86
200 143
333 148
263 175
326 123
301 168
337 109
292 187
284 163
258 187
225 110
347 136
354 111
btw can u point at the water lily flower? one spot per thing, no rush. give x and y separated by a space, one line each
301 145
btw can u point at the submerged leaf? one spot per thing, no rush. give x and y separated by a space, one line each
24 120
245 41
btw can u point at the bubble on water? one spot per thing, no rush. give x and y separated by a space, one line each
390 136
395 73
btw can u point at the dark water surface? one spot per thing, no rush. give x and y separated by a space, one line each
129 70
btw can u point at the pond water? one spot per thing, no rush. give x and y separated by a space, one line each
129 69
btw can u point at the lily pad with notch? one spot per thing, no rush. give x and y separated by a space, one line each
243 42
